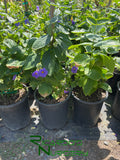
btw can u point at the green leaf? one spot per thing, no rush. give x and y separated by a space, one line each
31 61
93 37
45 89
27 34
63 41
31 41
54 19
82 59
34 84
9 43
42 42
61 29
108 43
108 63
89 87
79 31
102 20
16 49
15 63
59 53
74 46
12 20
91 20
95 74
98 28
106 87
88 48
48 61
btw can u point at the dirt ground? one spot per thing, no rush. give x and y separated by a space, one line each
99 143
97 150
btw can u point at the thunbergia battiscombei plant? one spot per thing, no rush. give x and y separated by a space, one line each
48 74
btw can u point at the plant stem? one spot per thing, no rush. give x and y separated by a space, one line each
52 9
5 2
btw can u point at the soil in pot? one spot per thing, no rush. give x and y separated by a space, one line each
87 108
7 99
50 99
96 96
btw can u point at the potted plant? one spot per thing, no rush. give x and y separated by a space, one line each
91 66
45 71
52 96
89 86
14 107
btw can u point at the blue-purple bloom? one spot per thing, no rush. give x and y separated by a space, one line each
74 69
17 24
65 91
26 21
35 74
43 72
14 77
73 22
2 17
59 21
37 8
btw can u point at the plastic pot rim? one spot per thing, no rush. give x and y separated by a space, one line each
17 103
85 102
53 104
118 85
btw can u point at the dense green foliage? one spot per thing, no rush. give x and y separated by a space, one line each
80 35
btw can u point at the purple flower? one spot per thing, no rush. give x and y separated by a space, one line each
35 74
37 7
17 24
73 22
14 77
59 21
0 16
26 21
65 91
74 69
43 72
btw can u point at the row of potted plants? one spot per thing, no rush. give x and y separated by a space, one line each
69 55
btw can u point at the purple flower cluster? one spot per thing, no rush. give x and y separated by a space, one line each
74 69
2 17
17 24
41 73
26 21
73 22
37 8
66 92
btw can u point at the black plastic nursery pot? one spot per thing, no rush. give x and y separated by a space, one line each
116 103
86 114
16 116
53 116
113 82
